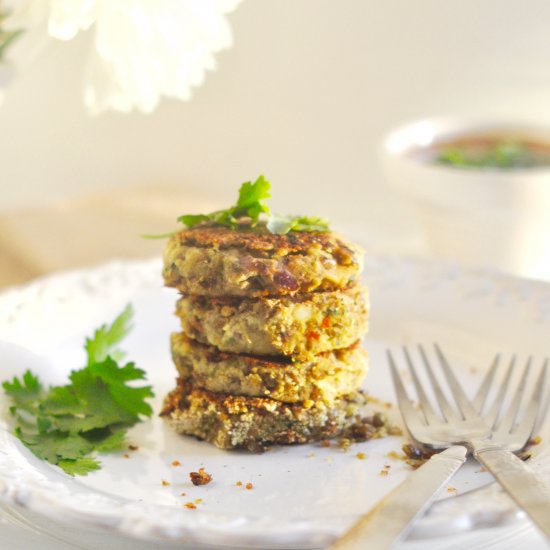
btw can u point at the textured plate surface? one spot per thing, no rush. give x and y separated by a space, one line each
303 496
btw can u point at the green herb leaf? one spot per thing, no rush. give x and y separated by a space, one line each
65 424
281 225
80 466
158 236
252 197
106 338
251 205
310 223
110 391
499 154
55 445
25 392
112 442
190 220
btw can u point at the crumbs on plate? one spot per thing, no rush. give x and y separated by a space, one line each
201 477
364 428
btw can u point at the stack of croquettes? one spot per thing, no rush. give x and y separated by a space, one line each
269 350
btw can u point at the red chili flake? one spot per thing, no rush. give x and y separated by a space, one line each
312 335
190 505
249 486
326 322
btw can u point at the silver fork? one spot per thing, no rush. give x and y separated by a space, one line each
505 430
389 521
491 447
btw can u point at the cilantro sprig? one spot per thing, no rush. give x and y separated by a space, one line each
250 204
66 424
250 211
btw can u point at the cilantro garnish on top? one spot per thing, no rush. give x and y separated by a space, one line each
66 424
250 210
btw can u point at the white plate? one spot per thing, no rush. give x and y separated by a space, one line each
303 496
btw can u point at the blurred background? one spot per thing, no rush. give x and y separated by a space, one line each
304 96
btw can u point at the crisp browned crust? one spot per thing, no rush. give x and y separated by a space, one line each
217 261
261 243
301 325
233 422
324 377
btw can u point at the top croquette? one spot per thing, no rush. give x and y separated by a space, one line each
218 261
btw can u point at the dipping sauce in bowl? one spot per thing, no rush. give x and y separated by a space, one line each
503 151
481 188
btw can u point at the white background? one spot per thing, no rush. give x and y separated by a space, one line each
304 97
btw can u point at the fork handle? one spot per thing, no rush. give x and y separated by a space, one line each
528 490
391 518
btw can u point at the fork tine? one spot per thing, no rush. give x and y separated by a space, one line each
481 395
425 404
529 422
507 423
448 412
408 412
464 404
493 414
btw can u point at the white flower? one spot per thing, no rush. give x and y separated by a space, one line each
142 49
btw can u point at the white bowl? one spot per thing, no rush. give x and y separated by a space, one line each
498 218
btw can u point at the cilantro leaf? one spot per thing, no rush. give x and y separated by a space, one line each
65 424
283 224
55 444
248 211
253 194
79 466
159 235
252 197
112 442
106 338
250 204
59 400
104 395
95 407
24 392
191 220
